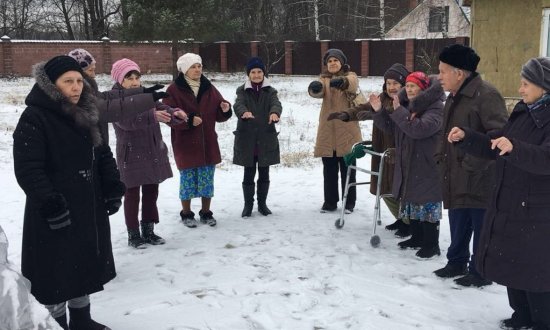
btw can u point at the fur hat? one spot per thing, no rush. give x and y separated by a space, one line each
460 56
255 63
186 61
397 72
336 53
121 68
537 71
58 65
83 57
419 78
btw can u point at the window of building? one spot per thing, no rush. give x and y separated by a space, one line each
439 19
545 33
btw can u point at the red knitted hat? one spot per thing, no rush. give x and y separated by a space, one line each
419 78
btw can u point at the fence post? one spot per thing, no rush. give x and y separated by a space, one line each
223 55
254 48
106 55
409 54
324 47
365 58
288 56
7 55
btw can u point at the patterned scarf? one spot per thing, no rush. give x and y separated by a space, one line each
545 99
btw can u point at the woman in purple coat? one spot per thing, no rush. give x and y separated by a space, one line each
514 242
416 123
142 158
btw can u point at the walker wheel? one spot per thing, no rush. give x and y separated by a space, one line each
339 223
375 241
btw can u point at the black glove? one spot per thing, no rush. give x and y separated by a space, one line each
160 95
337 83
153 88
338 115
55 211
112 205
316 86
364 115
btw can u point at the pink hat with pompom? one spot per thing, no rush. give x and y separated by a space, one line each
121 68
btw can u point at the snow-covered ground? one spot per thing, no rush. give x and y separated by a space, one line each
290 270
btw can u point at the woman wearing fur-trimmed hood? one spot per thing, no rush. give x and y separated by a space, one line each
416 122
72 185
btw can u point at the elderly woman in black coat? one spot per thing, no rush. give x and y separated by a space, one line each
515 239
72 185
258 109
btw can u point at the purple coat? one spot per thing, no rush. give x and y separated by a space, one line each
415 179
141 155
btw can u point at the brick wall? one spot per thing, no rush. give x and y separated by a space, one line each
365 56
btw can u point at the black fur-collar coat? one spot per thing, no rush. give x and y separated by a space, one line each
61 163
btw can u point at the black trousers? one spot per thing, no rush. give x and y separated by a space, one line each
331 167
530 307
250 173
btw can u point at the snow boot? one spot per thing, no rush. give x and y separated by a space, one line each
474 280
148 234
263 189
328 207
135 240
248 193
430 242
452 270
62 321
188 219
80 319
415 242
207 218
395 226
404 230
516 322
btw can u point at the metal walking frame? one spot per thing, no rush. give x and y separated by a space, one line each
367 148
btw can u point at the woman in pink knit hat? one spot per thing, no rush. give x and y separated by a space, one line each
142 157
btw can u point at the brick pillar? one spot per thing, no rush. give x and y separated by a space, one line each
223 55
409 54
324 47
106 55
7 55
254 48
365 58
288 56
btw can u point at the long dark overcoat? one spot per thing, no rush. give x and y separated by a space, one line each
514 242
196 146
61 163
417 128
256 134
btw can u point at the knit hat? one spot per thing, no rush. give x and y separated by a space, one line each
336 53
83 57
255 63
58 65
397 72
420 79
186 61
460 56
121 68
537 71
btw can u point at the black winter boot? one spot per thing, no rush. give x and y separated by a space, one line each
135 240
430 244
148 234
415 242
263 189
452 270
62 321
207 218
82 320
394 226
404 230
248 193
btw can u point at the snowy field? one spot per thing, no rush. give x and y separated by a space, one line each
291 270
